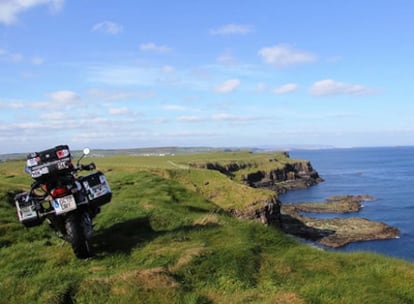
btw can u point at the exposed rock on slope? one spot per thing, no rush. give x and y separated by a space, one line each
233 197
265 211
298 175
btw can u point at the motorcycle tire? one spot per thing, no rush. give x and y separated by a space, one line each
77 234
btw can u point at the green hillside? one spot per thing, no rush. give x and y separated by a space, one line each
167 237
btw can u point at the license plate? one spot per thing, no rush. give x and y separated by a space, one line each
64 204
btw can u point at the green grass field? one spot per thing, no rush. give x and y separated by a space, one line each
166 238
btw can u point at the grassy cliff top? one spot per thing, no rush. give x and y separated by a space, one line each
161 240
166 161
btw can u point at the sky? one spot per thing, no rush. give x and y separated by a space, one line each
151 73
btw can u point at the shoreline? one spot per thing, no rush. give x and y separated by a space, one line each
334 232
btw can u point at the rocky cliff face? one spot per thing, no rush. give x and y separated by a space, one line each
279 178
299 175
267 212
282 174
293 175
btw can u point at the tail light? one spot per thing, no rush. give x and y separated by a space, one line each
59 192
33 161
62 153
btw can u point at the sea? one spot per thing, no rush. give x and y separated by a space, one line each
386 173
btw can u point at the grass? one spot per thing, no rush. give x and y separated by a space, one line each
163 240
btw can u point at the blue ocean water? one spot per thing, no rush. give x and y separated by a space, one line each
386 173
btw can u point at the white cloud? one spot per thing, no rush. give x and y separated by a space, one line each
152 47
123 75
286 88
37 60
191 118
116 95
57 101
328 87
10 9
231 117
261 87
16 57
108 27
334 59
174 108
54 116
167 69
8 56
119 111
231 29
227 86
226 58
282 55
11 105
65 97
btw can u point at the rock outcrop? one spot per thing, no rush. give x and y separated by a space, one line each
334 232
267 212
297 175
334 204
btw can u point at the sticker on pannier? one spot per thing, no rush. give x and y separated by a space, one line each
97 188
26 210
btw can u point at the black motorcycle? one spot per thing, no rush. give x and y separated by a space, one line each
67 201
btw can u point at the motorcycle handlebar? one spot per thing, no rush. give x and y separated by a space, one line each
88 167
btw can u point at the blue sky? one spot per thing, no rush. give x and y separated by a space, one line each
130 74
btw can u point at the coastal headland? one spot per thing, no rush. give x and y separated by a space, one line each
281 174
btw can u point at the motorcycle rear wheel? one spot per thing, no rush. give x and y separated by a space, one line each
77 235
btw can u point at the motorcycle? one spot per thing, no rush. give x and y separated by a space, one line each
67 201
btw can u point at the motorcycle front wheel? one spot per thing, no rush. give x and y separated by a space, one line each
78 234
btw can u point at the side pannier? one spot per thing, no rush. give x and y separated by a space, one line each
27 210
96 188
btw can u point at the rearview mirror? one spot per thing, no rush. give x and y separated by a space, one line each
86 151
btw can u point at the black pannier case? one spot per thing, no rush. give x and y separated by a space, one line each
49 163
96 188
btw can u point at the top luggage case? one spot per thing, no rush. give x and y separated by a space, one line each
49 163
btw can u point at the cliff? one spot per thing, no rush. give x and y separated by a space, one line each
279 174
297 175
275 172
